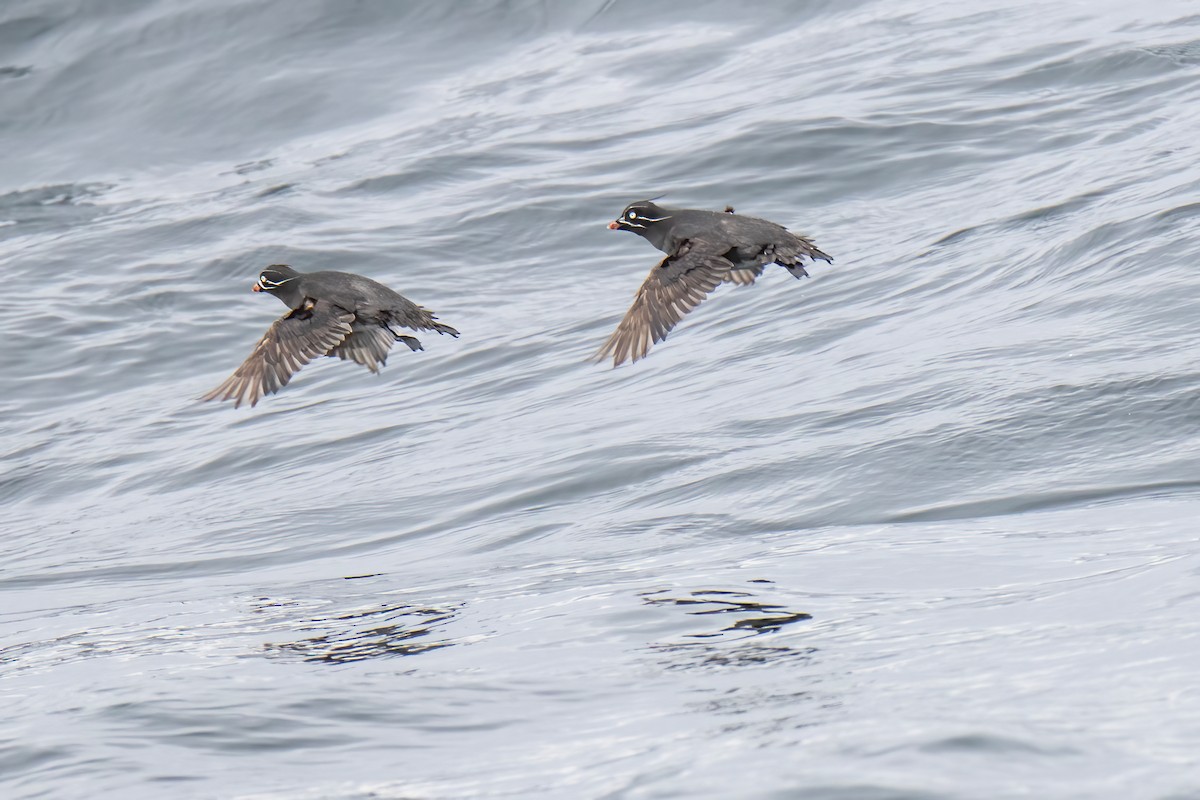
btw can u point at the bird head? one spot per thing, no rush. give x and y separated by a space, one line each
275 278
639 217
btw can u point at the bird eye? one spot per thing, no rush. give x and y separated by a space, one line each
632 215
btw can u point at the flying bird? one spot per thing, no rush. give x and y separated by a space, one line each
704 249
332 314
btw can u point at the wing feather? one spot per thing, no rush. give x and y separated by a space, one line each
678 284
744 276
368 346
292 341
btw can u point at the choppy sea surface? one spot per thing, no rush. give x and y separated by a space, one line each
922 526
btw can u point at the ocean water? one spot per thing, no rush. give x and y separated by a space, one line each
922 526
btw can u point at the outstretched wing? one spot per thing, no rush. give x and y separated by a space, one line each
368 346
291 342
673 288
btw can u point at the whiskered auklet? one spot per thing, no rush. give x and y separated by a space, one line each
704 249
332 314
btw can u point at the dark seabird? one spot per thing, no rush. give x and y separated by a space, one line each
332 314
704 249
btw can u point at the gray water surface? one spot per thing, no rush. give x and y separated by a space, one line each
922 526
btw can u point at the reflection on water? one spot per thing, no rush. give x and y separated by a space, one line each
698 656
742 618
749 614
389 630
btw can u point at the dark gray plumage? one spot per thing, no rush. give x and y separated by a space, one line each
704 249
332 314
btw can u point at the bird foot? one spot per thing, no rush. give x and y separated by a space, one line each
798 270
413 342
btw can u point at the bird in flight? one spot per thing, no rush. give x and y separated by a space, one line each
331 314
704 249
